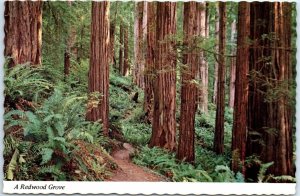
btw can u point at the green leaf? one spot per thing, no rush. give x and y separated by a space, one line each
46 155
50 133
60 128
12 165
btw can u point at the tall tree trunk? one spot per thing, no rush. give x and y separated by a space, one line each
150 61
206 62
70 49
126 50
112 36
269 109
138 76
239 132
99 65
219 126
67 54
217 31
189 93
23 32
121 50
232 66
203 99
164 122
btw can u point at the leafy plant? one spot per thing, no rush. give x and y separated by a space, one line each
24 81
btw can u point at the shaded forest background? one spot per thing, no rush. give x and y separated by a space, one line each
203 91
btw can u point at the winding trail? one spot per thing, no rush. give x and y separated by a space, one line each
130 172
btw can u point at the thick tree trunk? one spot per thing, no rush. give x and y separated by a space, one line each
203 68
269 110
23 32
219 126
139 62
164 122
99 65
232 66
239 132
217 29
150 61
121 50
189 93
126 50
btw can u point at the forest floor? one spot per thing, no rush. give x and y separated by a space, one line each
128 171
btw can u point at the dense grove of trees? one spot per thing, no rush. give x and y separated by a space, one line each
187 59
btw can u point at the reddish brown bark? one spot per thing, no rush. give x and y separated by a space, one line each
126 50
67 54
23 32
269 116
232 67
217 29
112 36
219 126
150 61
239 132
164 122
203 68
99 65
186 149
139 62
121 50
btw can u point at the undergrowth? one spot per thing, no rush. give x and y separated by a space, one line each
46 134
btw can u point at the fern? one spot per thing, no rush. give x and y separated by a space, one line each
224 174
23 81
54 170
46 155
262 171
285 178
12 165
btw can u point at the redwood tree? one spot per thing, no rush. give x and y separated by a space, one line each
99 62
188 87
126 50
241 89
219 125
112 30
217 31
139 59
150 61
269 108
232 66
203 66
164 122
23 32
121 49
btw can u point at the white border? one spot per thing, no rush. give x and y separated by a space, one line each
150 187
147 188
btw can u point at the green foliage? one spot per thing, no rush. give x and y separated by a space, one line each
224 174
53 128
137 134
24 81
263 170
165 163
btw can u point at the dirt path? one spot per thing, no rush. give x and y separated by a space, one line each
129 171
